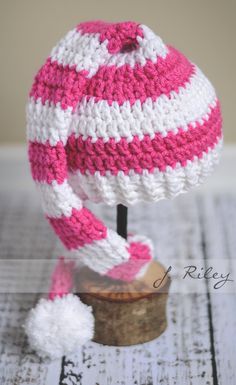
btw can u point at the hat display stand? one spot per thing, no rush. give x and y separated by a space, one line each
126 313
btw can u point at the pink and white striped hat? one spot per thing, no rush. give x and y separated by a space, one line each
117 116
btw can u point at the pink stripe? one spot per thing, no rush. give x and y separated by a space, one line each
62 279
81 228
120 36
141 82
139 256
47 163
137 155
58 84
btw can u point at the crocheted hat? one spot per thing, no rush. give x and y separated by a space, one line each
117 116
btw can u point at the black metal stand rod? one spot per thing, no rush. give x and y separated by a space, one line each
121 220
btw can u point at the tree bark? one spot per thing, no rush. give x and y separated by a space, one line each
126 313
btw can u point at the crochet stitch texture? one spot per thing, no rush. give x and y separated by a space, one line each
116 116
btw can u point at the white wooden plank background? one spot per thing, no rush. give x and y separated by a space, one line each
199 345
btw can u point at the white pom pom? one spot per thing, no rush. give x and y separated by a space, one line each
58 327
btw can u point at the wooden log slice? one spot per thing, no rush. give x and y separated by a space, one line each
126 313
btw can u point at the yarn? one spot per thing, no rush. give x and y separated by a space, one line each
118 35
62 279
117 116
59 327
56 83
140 251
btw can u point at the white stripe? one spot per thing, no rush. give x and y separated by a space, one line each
86 52
147 187
58 199
47 122
104 254
192 103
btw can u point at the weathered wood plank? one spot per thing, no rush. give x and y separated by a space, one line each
183 354
219 223
23 234
178 356
17 363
